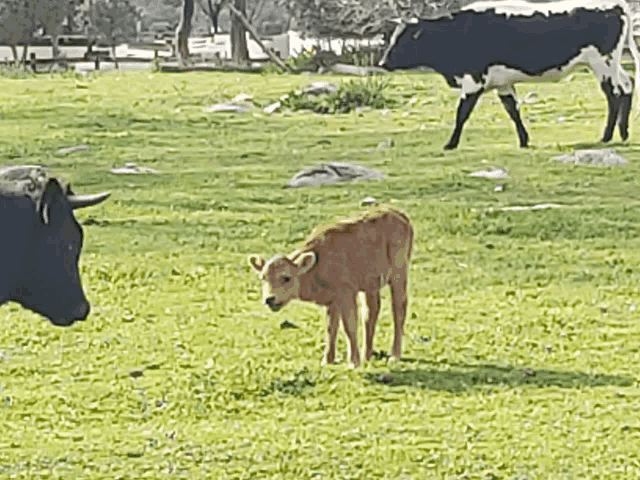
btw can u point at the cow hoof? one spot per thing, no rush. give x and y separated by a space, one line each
450 146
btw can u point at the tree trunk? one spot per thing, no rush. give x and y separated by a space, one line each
115 58
14 51
183 31
243 19
55 50
239 50
25 50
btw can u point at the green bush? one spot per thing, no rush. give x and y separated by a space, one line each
350 95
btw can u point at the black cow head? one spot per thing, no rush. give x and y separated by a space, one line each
403 50
50 283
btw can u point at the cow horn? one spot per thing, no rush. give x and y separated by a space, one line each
81 201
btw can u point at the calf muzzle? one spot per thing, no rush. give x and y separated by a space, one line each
271 303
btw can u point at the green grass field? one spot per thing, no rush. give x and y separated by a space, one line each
522 343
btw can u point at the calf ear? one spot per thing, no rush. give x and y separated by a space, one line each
257 262
306 261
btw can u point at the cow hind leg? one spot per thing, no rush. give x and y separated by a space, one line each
465 107
625 105
614 103
510 103
373 307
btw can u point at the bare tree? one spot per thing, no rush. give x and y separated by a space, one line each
17 25
50 14
212 10
114 20
361 18
239 50
183 31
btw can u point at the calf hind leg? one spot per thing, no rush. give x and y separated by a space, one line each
399 306
465 107
373 305
510 103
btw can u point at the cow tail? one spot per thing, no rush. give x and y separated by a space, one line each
633 48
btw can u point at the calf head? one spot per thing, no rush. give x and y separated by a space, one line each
50 281
280 277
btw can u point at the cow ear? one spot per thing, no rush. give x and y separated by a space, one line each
306 261
51 191
257 262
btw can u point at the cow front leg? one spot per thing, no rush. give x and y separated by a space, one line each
623 115
625 104
373 305
350 323
465 107
613 102
510 103
333 322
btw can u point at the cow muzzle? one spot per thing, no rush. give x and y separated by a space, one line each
79 314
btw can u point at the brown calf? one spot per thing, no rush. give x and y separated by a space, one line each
338 261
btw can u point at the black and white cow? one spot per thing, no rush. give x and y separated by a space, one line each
40 244
495 44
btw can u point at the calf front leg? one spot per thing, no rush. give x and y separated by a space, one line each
350 323
467 102
373 305
333 321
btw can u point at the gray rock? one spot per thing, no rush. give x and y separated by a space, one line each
68 150
273 107
131 168
320 88
335 172
493 172
231 107
602 156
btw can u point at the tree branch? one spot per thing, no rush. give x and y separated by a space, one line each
274 58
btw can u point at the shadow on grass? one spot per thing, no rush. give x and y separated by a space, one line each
458 378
